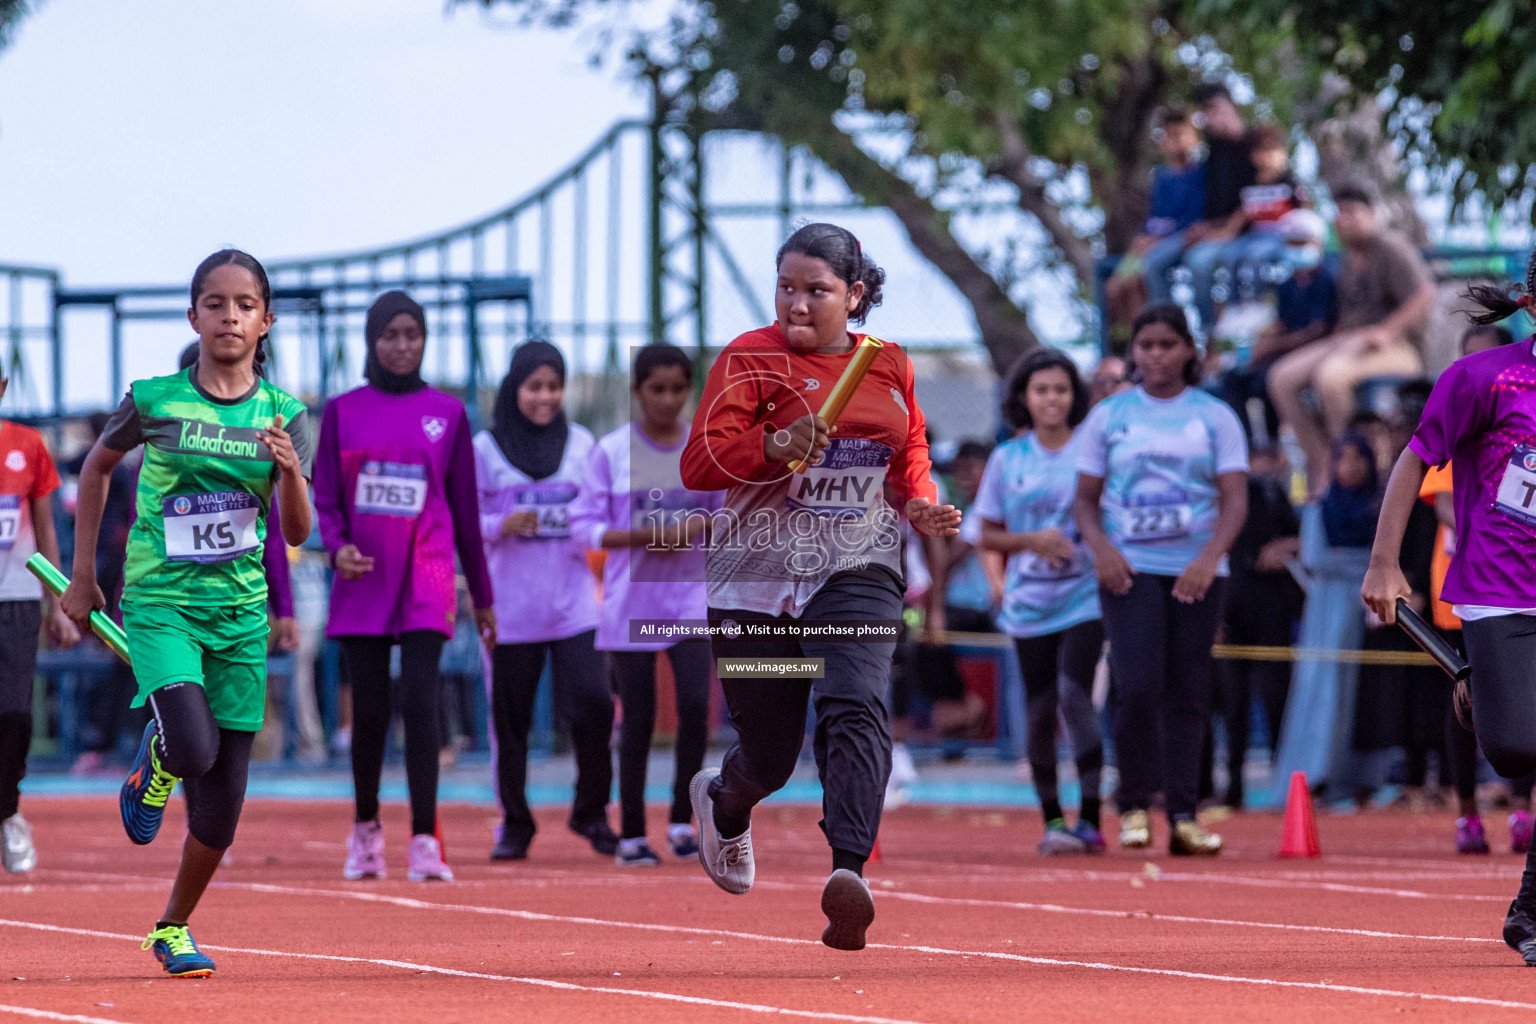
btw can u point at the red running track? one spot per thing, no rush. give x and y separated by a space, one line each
972 926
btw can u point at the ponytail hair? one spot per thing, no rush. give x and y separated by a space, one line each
1501 303
839 249
238 258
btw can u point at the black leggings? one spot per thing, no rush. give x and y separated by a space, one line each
1462 746
1160 655
1049 664
635 674
212 763
1239 681
582 698
20 622
1502 651
365 660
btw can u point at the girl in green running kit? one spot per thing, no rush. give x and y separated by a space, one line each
221 444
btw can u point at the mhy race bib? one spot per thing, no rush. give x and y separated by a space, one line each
846 482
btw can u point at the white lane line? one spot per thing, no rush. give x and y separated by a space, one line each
27 1011
407 965
537 916
1253 881
1320 986
529 915
881 891
1056 908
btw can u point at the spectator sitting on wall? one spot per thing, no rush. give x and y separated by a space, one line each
1273 195
1228 169
1385 292
1308 309
1177 201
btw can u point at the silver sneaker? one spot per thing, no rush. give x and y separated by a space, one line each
728 862
18 854
849 908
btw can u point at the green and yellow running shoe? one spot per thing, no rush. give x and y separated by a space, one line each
176 950
145 791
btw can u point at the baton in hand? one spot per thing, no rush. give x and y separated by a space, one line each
853 374
110 632
1434 645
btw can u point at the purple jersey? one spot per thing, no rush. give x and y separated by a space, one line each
1481 416
544 585
632 483
395 475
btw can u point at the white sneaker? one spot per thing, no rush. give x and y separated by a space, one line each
728 862
17 854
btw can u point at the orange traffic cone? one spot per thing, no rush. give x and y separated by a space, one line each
874 853
437 833
1298 836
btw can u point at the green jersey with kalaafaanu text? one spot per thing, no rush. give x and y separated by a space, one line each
204 488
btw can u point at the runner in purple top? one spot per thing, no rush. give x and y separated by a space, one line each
395 492
1481 416
530 465
633 503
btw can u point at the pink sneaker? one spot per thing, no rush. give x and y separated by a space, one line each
1521 826
365 851
424 861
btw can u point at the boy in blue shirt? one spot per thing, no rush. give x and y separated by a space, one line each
1177 201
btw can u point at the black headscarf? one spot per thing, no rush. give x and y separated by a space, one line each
384 309
535 450
1350 513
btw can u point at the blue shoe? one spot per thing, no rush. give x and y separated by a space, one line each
145 791
1093 839
176 950
684 841
1059 841
636 853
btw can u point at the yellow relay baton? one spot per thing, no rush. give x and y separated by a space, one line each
110 632
842 392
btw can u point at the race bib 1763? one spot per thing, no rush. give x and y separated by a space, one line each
216 527
391 489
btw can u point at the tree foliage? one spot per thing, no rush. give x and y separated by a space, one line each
1457 78
1056 98
11 12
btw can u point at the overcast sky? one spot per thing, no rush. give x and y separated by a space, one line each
135 138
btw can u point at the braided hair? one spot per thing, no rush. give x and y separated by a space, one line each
1503 302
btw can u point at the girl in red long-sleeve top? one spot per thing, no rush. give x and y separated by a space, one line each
808 566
